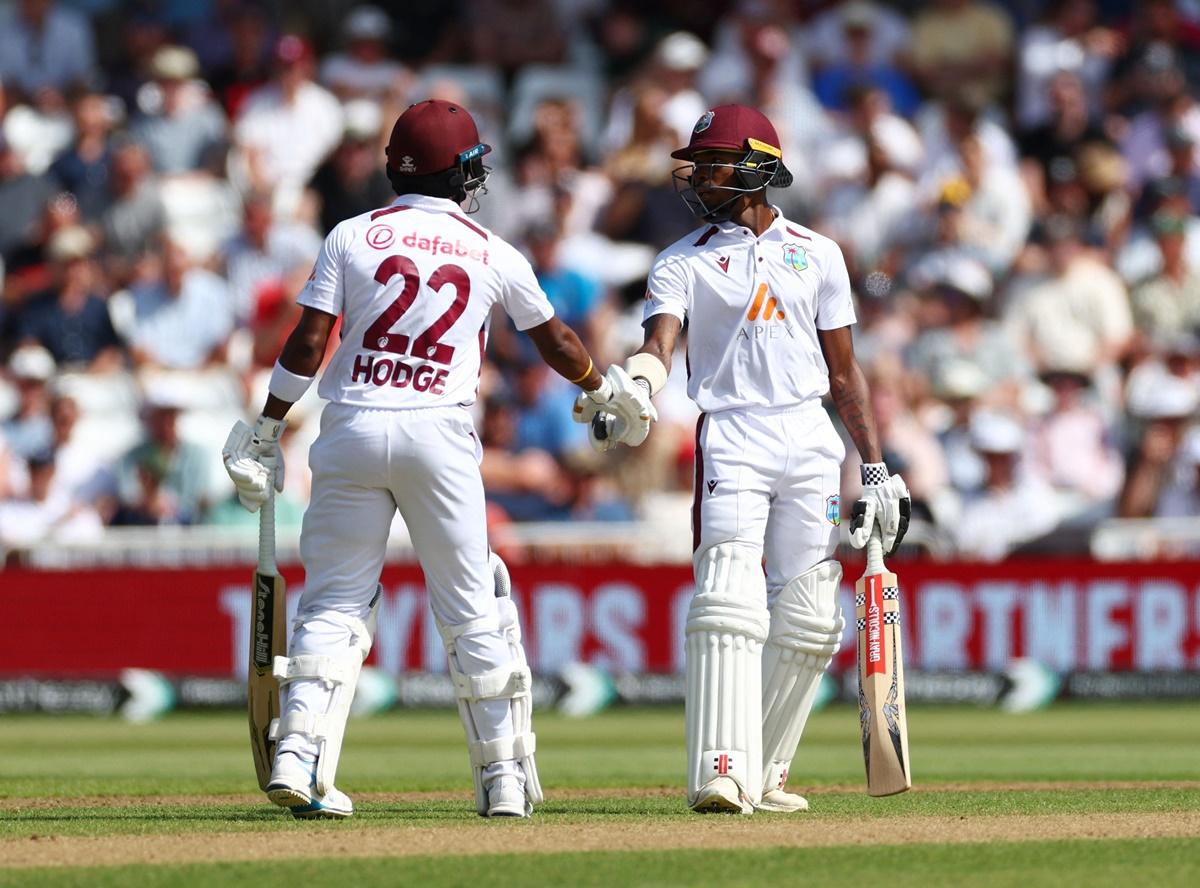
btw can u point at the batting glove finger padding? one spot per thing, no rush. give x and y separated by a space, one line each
253 460
885 500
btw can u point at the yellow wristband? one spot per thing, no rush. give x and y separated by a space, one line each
585 375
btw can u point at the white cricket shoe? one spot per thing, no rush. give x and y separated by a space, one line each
782 802
294 786
721 795
506 798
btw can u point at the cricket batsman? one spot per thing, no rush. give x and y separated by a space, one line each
414 283
769 309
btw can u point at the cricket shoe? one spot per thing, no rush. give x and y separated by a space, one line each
506 798
294 786
722 795
779 801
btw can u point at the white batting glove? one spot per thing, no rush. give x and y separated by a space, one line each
884 500
253 460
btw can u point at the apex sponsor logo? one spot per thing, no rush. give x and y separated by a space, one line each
766 304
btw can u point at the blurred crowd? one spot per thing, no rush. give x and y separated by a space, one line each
1015 185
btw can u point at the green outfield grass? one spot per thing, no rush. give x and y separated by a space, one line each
85 777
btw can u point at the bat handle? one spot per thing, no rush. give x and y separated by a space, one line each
266 530
875 551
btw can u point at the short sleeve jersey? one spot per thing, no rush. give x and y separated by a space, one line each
415 283
753 306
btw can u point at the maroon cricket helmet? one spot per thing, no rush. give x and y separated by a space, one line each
738 128
431 137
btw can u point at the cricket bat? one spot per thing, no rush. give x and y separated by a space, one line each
881 676
268 639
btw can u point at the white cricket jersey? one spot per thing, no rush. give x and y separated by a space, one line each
754 306
415 283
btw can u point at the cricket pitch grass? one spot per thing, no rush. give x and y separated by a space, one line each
1077 794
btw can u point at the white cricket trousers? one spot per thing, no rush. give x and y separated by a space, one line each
365 465
769 480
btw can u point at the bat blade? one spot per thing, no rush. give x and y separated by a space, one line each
881 685
267 641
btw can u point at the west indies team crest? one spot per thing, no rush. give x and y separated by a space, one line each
795 256
704 122
833 509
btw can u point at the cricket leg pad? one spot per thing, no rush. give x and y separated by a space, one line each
492 740
806 631
727 623
324 683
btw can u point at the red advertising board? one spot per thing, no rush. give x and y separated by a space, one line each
1068 614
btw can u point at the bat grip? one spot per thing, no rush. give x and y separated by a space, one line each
875 551
266 530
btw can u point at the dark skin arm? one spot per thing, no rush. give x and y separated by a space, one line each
661 332
848 387
561 349
302 353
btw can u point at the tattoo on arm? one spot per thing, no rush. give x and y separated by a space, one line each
661 332
851 397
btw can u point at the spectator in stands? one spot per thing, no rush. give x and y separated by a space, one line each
1073 446
352 180
962 45
182 317
44 514
180 124
645 206
671 71
85 167
997 215
1163 402
956 296
29 429
1171 108
859 65
365 70
29 267
887 35
1069 124
178 469
44 45
510 34
80 475
263 252
1069 39
1014 506
1180 497
249 65
1080 316
1169 303
287 128
23 197
71 319
525 484
135 216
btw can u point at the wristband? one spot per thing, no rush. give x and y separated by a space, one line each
647 367
286 385
873 474
584 375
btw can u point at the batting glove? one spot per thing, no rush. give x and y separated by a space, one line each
884 500
253 460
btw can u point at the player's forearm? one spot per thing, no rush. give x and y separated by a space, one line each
561 349
661 332
851 397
